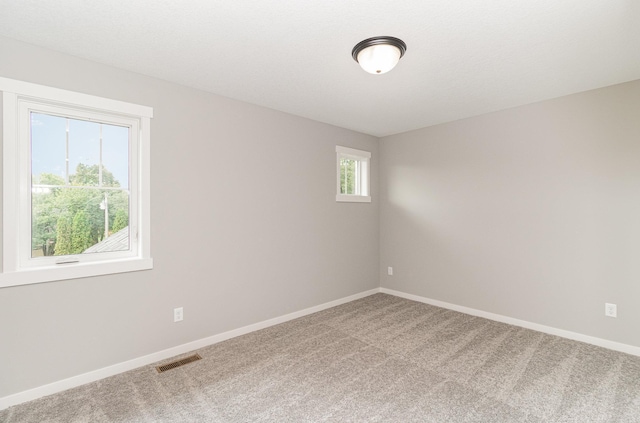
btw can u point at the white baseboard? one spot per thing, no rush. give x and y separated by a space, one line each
72 382
616 346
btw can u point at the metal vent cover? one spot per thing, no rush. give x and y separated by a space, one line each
178 363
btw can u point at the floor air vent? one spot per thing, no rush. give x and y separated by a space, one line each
178 363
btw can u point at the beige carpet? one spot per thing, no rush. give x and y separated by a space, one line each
378 359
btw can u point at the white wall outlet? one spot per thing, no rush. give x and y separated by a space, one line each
610 310
178 314
390 271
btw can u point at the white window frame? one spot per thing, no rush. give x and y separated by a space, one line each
19 99
363 193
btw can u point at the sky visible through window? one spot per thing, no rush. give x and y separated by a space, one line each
48 149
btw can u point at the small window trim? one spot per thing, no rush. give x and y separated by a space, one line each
364 157
16 191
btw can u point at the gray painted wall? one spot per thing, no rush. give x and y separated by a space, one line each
245 227
531 213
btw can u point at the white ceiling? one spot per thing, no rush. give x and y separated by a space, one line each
464 57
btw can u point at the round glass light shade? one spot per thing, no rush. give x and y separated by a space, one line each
380 58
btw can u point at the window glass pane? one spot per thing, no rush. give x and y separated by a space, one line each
115 156
48 147
348 172
65 218
84 152
79 220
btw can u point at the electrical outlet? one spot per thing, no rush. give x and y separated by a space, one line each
178 314
610 310
390 271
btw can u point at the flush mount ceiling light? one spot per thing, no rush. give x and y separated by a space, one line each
379 55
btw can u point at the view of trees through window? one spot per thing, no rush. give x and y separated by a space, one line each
348 176
79 186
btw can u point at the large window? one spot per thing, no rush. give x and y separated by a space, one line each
353 175
75 185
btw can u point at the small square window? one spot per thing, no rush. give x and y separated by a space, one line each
352 175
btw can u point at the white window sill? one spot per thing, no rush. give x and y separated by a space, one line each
73 271
353 198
